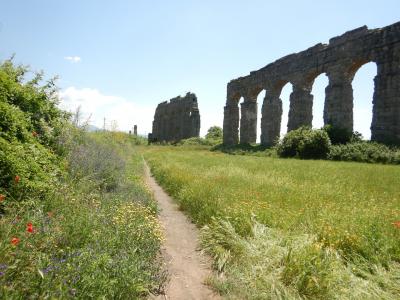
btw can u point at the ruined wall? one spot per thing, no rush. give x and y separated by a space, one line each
340 60
135 130
177 119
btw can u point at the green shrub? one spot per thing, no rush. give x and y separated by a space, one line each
339 135
197 141
37 101
13 123
36 167
214 135
304 143
370 152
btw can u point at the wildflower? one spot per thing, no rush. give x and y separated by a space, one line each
15 241
34 134
396 224
2 197
50 214
17 178
29 227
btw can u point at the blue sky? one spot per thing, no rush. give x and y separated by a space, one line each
119 59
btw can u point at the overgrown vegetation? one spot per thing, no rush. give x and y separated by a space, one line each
75 217
305 143
363 151
339 135
290 229
334 144
327 143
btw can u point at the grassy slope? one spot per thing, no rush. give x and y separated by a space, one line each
348 208
86 242
76 219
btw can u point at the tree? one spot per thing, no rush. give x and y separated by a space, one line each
214 133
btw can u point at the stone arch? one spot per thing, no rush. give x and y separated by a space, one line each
233 97
339 60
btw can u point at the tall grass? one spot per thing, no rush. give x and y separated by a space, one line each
285 228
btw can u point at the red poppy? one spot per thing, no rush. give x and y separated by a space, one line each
2 197
29 227
396 224
17 178
15 241
34 134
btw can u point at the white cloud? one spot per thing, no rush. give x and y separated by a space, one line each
96 106
73 59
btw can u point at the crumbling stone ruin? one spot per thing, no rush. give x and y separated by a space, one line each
339 60
176 120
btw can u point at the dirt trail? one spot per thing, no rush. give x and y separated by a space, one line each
188 268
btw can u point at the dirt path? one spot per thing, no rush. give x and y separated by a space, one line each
187 267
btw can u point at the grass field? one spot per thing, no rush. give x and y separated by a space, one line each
285 228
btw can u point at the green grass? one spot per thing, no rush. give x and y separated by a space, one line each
325 225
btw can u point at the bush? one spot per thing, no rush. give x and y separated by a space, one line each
98 161
304 143
197 141
36 167
214 133
37 102
369 152
13 123
339 135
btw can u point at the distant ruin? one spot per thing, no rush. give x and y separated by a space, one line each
340 60
176 120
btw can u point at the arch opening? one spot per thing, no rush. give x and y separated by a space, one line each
318 91
363 90
285 97
260 100
239 103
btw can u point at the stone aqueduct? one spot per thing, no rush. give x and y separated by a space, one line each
177 119
339 60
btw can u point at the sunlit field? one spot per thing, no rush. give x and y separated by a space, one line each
345 215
